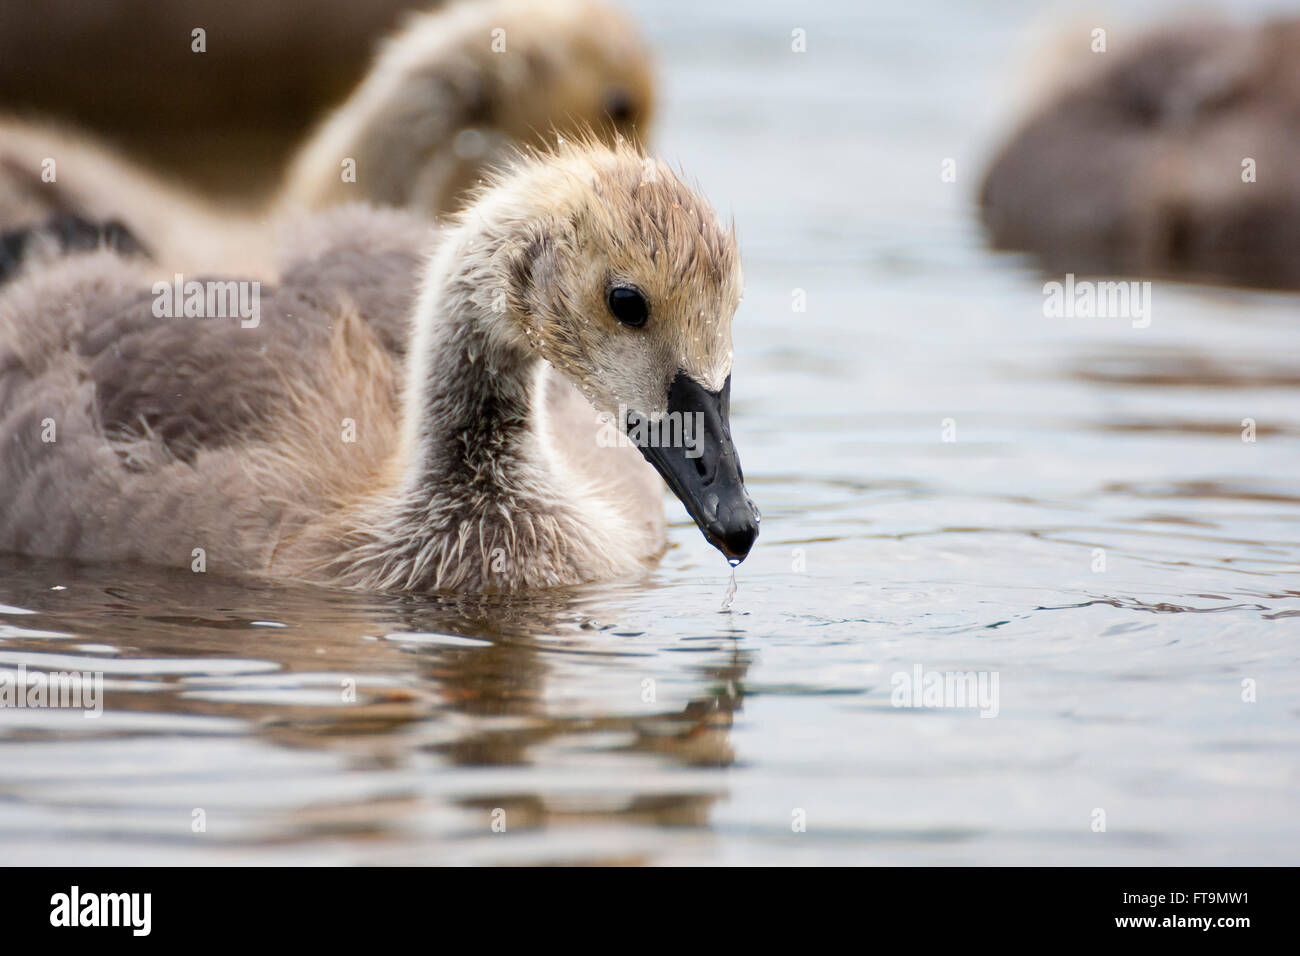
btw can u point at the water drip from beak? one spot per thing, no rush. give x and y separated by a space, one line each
731 590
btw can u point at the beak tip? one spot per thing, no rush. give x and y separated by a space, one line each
735 538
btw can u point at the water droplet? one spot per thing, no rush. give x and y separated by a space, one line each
731 587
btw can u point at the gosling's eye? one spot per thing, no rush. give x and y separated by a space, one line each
628 306
618 104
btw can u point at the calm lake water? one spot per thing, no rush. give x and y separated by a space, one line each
647 724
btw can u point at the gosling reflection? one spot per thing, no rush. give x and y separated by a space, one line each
423 690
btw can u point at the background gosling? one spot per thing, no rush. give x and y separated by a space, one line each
448 96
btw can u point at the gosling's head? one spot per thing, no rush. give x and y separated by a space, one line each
622 278
566 68
458 89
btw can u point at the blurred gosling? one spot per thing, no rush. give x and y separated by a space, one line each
449 96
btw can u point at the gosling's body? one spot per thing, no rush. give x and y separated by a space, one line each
445 99
171 435
363 435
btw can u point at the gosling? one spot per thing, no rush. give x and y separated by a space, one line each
1175 158
486 440
449 95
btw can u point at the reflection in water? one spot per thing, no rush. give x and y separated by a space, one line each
1180 367
383 683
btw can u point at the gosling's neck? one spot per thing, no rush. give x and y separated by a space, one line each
483 502
475 415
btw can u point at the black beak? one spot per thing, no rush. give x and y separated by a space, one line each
691 448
